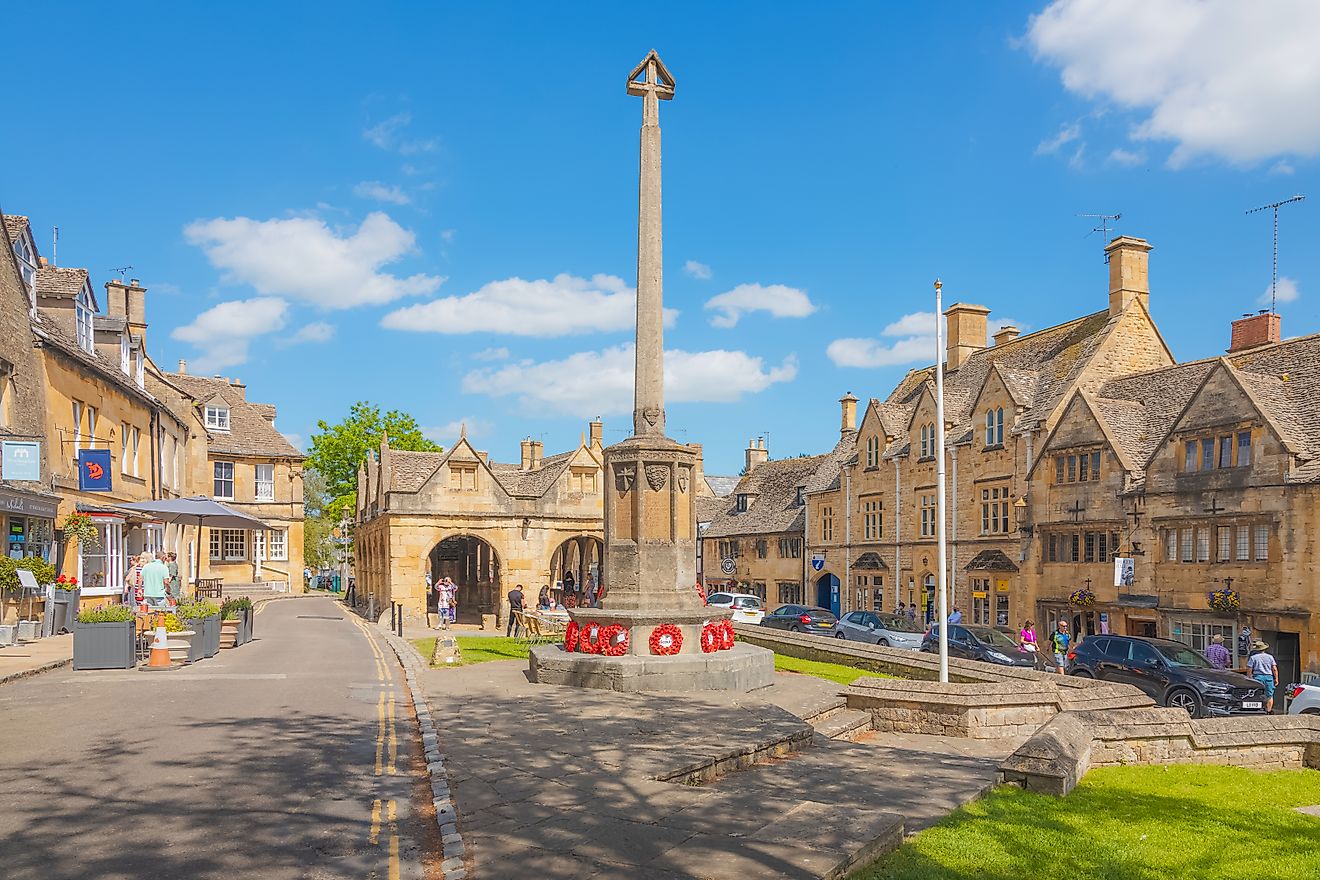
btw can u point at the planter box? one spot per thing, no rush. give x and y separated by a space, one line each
27 630
245 626
8 635
63 610
211 635
104 645
230 630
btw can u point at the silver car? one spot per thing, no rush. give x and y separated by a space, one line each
1303 699
887 630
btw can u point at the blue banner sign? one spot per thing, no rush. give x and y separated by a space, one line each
94 470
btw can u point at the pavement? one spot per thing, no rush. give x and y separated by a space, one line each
295 756
31 658
552 781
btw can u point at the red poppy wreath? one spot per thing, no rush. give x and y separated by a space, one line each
614 639
571 636
666 639
590 640
712 636
726 635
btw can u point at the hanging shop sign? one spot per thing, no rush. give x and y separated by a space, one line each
20 460
94 470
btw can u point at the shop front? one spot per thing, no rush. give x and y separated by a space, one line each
28 519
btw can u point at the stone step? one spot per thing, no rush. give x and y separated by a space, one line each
844 724
823 710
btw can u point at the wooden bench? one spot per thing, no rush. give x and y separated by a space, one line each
210 588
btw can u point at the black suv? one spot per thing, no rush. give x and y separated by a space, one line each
1170 672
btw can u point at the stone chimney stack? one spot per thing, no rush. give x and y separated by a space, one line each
756 453
538 450
183 367
698 471
1006 334
1129 272
129 301
847 414
967 330
597 434
526 463
1250 331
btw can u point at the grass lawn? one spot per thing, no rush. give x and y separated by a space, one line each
478 649
834 672
1126 823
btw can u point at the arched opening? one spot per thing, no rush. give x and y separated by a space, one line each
575 566
827 592
474 567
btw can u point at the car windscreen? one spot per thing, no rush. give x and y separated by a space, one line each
894 623
993 637
1182 656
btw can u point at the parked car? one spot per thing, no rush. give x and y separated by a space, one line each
887 630
1171 673
1303 699
801 618
746 607
984 643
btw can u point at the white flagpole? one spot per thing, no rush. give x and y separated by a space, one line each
942 581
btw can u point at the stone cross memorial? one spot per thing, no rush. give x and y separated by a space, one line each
654 632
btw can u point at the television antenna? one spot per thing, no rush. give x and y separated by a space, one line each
1274 275
122 270
1106 220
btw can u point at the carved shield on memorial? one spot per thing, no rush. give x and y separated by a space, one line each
656 475
624 476
683 480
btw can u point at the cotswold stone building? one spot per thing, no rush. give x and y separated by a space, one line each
754 543
1079 443
487 525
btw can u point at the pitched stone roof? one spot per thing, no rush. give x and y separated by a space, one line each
14 226
60 282
1284 378
1139 409
721 486
774 487
531 483
411 470
250 432
50 332
991 560
708 508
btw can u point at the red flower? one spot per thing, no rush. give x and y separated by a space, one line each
711 637
590 640
571 636
666 640
726 635
615 639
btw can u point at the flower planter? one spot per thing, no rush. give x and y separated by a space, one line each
246 629
8 635
211 635
185 646
104 645
229 632
63 609
28 630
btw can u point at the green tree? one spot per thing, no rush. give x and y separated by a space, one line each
338 449
319 550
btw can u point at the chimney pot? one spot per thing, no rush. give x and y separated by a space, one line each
756 454
183 367
1006 334
847 413
967 327
1255 330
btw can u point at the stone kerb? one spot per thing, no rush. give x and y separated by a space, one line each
984 710
1056 758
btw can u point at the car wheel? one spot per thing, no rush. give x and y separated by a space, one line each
795 628
1185 700
1081 673
882 642
840 636
1309 712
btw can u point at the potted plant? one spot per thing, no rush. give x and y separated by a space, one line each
42 572
231 622
103 638
64 603
204 618
185 644
241 608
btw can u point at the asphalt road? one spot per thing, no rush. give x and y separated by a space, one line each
295 756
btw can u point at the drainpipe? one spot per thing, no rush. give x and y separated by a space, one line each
898 529
953 544
847 537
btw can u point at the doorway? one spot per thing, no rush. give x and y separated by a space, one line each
1144 627
474 567
827 593
1286 648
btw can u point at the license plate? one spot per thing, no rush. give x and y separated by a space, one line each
825 625
1252 704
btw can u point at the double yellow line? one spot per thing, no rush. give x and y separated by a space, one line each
384 813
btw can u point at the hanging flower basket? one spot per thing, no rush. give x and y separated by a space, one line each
1224 600
79 526
615 638
666 640
1081 598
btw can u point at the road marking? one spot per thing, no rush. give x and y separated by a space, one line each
375 822
394 741
394 843
380 731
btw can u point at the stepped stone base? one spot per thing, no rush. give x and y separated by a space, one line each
741 668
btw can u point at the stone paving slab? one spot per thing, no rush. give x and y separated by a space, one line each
553 781
30 658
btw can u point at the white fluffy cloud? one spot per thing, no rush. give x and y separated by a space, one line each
303 258
1068 133
390 134
223 332
1219 78
592 383
380 192
561 306
697 270
1287 292
913 341
492 354
777 299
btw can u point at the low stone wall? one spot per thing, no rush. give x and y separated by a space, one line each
1056 758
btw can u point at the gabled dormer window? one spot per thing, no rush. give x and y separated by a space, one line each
927 441
124 352
82 314
140 369
994 427
872 452
217 418
741 505
800 500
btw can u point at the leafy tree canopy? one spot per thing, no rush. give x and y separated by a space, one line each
338 449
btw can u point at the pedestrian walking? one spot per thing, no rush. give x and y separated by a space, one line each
1217 654
1265 669
1028 636
444 597
154 573
453 600
912 613
1244 641
515 612
1059 642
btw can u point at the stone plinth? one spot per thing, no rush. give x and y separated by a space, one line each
742 668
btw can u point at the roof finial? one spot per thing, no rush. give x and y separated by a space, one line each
462 430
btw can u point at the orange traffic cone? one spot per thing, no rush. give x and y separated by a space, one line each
160 650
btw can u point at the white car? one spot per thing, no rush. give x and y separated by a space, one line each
1303 699
746 608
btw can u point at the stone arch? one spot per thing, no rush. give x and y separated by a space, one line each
577 554
472 562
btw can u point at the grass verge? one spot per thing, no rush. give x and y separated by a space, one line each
1126 823
835 672
477 649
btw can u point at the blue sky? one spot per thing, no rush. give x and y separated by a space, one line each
320 202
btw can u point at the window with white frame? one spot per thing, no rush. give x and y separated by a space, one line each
141 368
102 566
279 544
927 516
83 312
871 518
124 353
217 418
224 479
77 427
265 482
228 545
123 447
91 426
